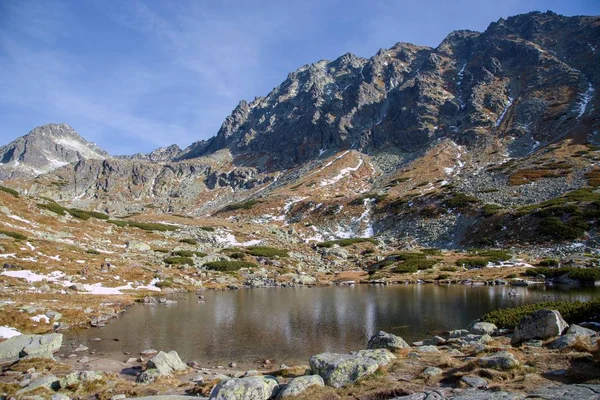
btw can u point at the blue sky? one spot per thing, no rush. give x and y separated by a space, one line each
135 75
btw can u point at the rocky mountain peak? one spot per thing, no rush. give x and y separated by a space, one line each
44 149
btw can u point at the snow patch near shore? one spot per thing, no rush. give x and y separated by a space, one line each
228 239
7 332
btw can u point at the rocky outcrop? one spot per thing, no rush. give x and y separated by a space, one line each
250 388
29 345
384 340
542 324
45 149
503 81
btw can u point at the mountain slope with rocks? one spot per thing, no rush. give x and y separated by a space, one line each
489 139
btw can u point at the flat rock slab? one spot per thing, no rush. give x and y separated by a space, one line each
29 345
560 392
250 388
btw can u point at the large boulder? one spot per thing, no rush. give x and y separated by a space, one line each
542 324
581 331
338 370
483 328
502 360
298 385
136 245
162 364
166 363
384 340
250 388
29 345
47 383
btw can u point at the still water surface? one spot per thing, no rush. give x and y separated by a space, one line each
289 325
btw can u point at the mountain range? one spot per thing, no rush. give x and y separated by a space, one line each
446 146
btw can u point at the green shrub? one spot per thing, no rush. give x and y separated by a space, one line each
200 254
584 275
165 283
183 253
161 250
93 251
346 242
177 260
431 252
245 205
405 269
189 241
264 251
442 277
554 228
147 226
572 312
449 269
495 255
85 215
14 235
228 265
549 263
207 228
237 256
10 191
475 262
490 209
460 200
54 207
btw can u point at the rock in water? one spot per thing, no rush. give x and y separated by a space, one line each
384 340
250 388
298 385
542 324
29 345
338 370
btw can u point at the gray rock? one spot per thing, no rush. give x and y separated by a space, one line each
338 370
478 394
581 331
430 372
29 345
138 245
560 392
502 360
49 383
250 388
483 328
384 340
166 363
565 341
458 333
60 396
298 385
74 379
542 324
428 349
474 382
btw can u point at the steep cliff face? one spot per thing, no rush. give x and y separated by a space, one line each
45 149
531 77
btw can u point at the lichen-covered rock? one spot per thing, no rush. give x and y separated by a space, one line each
250 388
76 378
49 382
382 356
298 385
542 324
338 370
502 360
474 382
430 372
483 328
30 345
384 340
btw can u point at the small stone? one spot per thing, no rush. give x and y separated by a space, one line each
81 348
84 360
149 352
502 360
232 365
430 372
474 382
